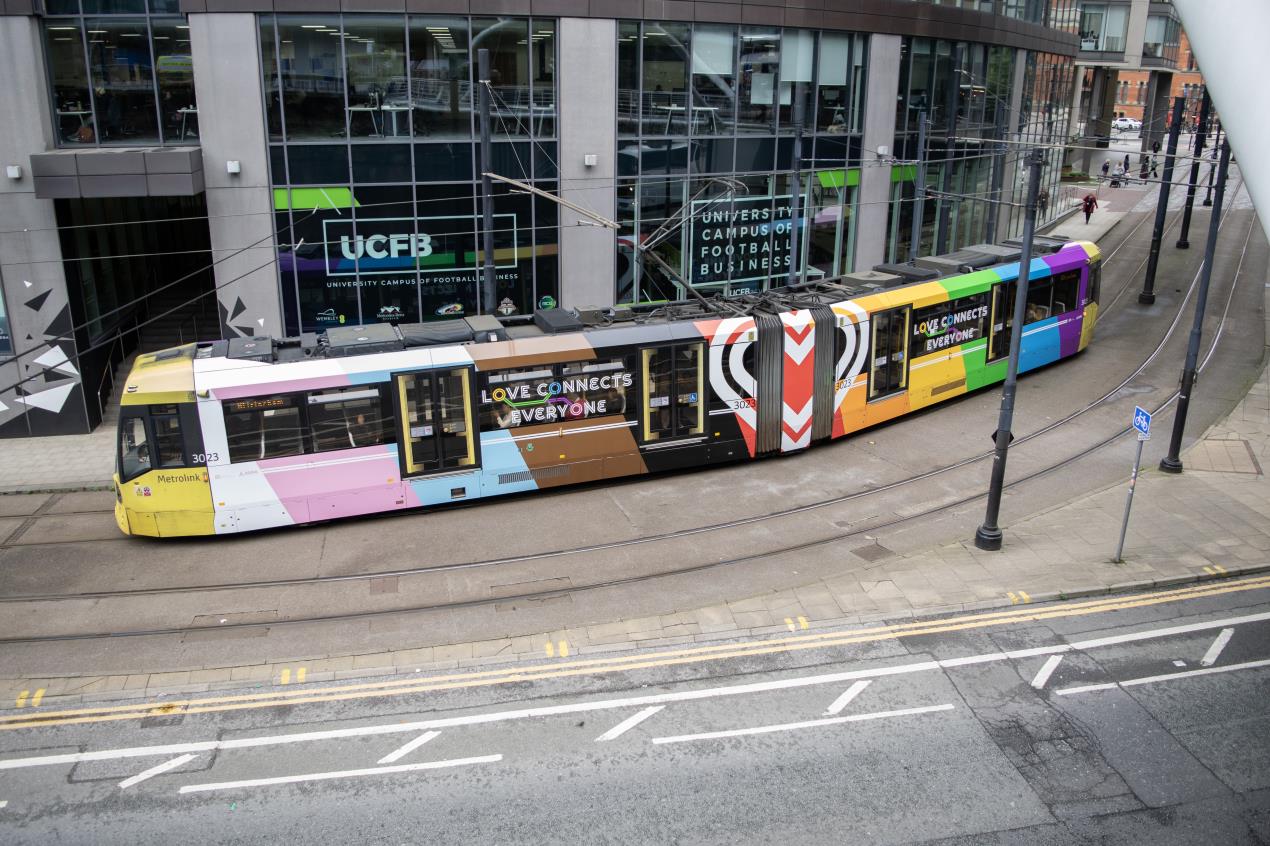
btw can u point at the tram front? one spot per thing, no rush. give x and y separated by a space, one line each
161 485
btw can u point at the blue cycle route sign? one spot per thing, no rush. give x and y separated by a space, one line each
1142 423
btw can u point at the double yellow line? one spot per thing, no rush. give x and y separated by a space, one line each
640 661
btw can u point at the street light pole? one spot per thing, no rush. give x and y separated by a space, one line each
1172 463
919 189
1162 206
1212 166
988 535
1201 133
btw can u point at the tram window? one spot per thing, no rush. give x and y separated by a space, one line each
1095 281
888 365
948 324
507 392
349 418
599 385
168 443
673 391
1002 321
1037 308
1066 286
263 427
134 448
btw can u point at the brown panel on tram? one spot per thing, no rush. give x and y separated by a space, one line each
527 352
770 365
824 363
597 447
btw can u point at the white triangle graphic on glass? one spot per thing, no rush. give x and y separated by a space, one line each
51 400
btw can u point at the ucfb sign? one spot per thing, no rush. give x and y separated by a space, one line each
388 245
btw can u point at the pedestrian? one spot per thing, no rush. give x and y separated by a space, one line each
1088 205
1043 201
1155 147
1106 168
1154 164
1127 166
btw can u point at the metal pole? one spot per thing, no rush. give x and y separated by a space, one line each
1172 463
488 300
988 535
919 189
1201 133
1162 206
796 196
1212 166
1133 481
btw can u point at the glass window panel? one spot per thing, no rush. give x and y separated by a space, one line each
513 160
832 97
542 67
165 7
449 278
628 42
325 277
760 56
317 164
61 7
713 80
440 85
134 447
349 418
273 82
375 59
381 163
174 66
114 7
311 65
665 79
507 40
167 441
122 74
443 162
73 109
545 155
390 245
253 434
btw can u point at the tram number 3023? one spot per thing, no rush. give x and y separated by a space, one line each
204 457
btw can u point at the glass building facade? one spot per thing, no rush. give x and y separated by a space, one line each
707 119
372 126
120 73
962 91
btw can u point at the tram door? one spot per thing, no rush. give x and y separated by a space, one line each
674 388
1002 321
436 420
888 363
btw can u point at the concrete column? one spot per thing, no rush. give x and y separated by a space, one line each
1099 114
50 397
1159 104
227 81
1014 189
587 76
873 208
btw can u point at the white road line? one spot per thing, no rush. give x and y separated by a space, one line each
628 724
154 771
1247 665
406 749
611 704
400 768
846 697
1043 674
831 721
1210 657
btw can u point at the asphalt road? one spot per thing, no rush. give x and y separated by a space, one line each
1140 718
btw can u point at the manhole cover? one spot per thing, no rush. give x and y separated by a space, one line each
872 552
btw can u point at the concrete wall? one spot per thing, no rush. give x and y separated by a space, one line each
239 206
873 211
588 103
49 398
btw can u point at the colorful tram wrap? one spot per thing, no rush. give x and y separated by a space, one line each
254 433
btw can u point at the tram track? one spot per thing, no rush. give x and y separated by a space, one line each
33 599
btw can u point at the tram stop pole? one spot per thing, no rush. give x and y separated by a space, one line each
1128 503
1201 135
1172 463
988 535
1162 207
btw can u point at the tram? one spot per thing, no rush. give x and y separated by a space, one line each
255 433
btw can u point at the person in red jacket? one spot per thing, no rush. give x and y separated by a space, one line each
1088 205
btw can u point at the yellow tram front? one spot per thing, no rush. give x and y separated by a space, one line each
161 485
